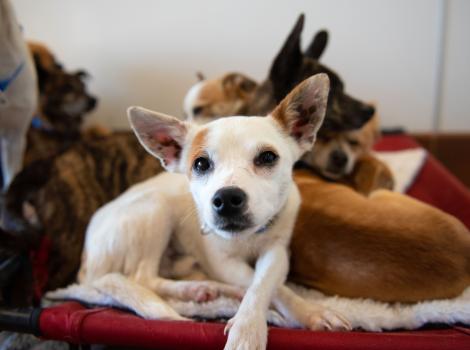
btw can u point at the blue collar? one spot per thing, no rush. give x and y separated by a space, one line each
40 124
5 83
268 225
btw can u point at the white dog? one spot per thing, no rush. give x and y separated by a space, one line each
18 93
240 193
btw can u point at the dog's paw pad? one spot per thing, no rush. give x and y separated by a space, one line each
205 294
201 292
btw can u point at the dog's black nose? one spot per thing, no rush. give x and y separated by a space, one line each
339 158
229 201
92 102
368 111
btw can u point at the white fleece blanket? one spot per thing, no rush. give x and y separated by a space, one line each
364 314
404 165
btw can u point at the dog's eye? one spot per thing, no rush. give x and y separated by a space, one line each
353 142
266 158
197 110
202 165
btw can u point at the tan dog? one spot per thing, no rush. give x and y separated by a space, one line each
347 157
388 246
227 95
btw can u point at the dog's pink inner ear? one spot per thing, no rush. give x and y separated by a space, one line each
302 124
166 146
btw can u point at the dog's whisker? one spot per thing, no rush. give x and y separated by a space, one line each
191 212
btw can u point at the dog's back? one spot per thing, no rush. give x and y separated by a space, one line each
388 247
114 245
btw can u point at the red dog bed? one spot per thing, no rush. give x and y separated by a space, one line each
74 323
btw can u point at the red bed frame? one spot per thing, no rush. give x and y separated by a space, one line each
76 324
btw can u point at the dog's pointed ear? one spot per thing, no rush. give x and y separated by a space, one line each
301 112
200 76
161 135
318 45
288 62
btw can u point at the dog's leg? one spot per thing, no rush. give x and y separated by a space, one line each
136 297
292 306
248 328
12 149
308 314
199 291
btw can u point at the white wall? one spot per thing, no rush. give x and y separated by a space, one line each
455 109
146 52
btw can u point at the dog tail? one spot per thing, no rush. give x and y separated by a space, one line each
116 290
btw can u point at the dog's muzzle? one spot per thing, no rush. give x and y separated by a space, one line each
229 205
337 162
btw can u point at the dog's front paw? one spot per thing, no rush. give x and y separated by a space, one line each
246 333
319 318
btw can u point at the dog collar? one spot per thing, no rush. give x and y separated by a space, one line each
268 225
40 124
5 83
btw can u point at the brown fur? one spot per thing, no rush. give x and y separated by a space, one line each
66 191
369 175
197 147
388 247
44 56
226 95
59 89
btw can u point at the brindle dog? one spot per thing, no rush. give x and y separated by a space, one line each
63 104
65 191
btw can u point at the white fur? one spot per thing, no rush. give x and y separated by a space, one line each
405 166
190 98
19 101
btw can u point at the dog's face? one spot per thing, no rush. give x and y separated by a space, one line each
336 153
210 99
240 169
64 99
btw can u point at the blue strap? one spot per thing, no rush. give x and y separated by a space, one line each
5 83
36 122
40 124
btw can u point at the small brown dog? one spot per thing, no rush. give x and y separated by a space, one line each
227 95
387 246
63 104
346 157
